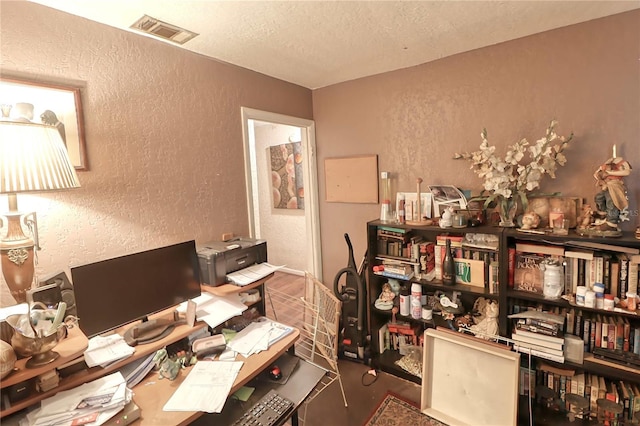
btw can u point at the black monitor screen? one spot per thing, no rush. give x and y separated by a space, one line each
114 292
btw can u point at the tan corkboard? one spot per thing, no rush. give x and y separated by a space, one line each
351 179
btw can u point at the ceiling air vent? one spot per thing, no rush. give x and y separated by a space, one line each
160 29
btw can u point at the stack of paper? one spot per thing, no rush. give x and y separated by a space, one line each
135 371
92 403
258 336
214 310
252 273
206 388
106 350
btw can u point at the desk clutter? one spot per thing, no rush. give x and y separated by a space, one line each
90 380
94 402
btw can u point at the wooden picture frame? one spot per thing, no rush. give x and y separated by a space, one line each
46 103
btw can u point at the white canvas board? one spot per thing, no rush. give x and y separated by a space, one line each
467 381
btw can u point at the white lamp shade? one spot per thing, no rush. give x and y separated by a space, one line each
33 158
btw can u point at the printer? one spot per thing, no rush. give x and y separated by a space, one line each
217 259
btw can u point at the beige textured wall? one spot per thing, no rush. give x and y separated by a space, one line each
163 131
586 76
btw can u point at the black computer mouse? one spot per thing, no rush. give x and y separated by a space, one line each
275 373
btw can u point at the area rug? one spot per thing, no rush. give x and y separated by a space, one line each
395 410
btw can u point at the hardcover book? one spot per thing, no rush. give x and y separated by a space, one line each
528 276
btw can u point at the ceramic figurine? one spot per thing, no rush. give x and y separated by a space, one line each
446 221
586 217
169 369
385 300
530 220
611 201
395 286
488 326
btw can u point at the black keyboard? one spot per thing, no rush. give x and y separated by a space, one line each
270 410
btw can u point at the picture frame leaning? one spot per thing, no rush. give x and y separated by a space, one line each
47 103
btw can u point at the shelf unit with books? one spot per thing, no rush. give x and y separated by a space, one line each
413 254
601 268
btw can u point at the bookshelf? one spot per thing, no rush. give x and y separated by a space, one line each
391 244
510 298
600 264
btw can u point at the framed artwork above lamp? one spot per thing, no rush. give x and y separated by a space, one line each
55 105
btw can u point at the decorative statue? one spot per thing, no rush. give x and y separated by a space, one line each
385 300
530 220
166 366
611 202
586 217
446 219
488 325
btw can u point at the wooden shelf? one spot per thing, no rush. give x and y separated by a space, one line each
69 348
76 344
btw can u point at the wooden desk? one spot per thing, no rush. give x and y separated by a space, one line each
153 393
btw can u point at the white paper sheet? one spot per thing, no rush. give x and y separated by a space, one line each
252 273
258 336
214 310
105 350
206 388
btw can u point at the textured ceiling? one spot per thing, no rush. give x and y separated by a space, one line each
320 43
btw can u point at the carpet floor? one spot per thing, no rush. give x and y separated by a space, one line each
395 410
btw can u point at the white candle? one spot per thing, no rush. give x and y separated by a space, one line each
614 151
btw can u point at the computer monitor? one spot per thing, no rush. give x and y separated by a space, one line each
118 291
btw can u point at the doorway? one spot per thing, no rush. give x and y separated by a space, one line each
292 230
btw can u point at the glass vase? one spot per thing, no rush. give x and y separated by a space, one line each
507 210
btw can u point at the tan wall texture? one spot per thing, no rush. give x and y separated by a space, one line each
164 135
163 131
586 76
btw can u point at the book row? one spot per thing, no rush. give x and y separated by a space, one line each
613 332
475 266
616 272
590 386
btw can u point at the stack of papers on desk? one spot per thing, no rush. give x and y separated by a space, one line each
104 351
135 371
92 403
258 336
214 310
206 388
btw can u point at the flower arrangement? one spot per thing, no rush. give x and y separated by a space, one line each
508 179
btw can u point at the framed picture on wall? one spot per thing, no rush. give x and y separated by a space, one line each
52 104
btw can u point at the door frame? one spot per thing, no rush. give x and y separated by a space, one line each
309 172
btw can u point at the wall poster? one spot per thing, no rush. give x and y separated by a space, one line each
286 176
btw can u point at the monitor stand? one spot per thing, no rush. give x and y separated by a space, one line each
150 330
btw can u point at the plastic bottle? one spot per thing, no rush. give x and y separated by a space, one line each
416 301
405 302
448 265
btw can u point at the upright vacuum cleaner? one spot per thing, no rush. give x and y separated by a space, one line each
353 339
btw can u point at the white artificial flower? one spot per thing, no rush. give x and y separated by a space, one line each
508 177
